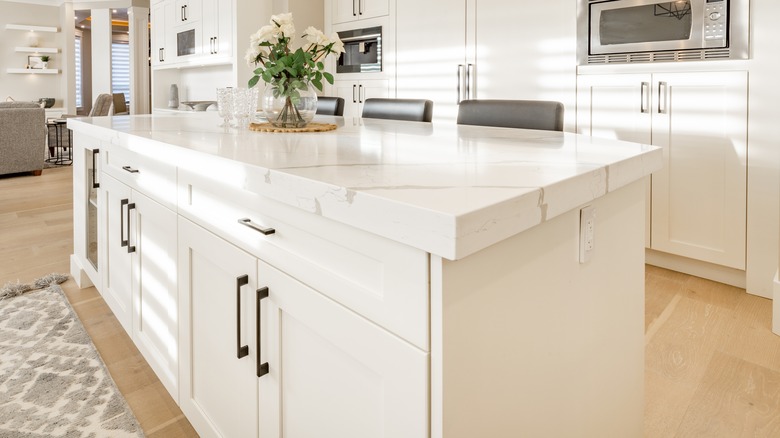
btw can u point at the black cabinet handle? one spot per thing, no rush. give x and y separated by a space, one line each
241 350
262 368
130 169
95 183
122 222
248 223
130 248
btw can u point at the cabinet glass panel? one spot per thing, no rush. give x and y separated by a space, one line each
92 244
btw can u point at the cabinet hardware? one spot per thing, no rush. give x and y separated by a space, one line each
361 94
122 240
248 223
185 12
262 368
241 350
354 13
130 169
661 95
95 183
644 104
130 248
160 55
360 7
469 69
354 87
459 87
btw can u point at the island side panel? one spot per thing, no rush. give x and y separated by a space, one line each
527 341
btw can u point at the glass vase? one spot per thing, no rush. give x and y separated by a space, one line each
294 110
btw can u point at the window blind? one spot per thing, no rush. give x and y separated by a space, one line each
120 69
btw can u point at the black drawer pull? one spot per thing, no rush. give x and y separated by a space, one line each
262 368
248 223
241 350
130 169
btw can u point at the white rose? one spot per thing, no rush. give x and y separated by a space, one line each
314 36
251 55
282 19
287 29
267 33
338 45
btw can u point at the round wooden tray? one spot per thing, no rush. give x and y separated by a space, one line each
311 127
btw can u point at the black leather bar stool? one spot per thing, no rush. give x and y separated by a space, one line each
413 110
526 114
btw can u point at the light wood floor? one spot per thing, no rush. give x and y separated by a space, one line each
712 362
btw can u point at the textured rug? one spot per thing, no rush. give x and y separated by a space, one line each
52 380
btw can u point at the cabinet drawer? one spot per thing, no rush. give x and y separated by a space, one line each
143 173
382 280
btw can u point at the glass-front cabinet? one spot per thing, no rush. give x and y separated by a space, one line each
87 209
92 206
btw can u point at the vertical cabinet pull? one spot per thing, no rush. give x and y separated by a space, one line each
354 12
122 240
458 88
360 7
469 69
241 350
130 248
662 97
262 368
354 87
361 94
95 183
644 98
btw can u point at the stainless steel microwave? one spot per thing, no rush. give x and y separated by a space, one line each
362 51
616 31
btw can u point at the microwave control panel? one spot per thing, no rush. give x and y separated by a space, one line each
715 23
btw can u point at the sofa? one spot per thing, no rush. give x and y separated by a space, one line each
22 137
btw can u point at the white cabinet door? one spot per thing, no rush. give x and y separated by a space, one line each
218 389
217 25
116 265
163 44
186 11
356 92
341 373
699 197
431 59
617 107
352 10
155 299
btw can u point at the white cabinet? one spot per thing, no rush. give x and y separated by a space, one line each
163 43
186 11
86 258
139 266
352 10
217 29
355 92
698 202
345 375
485 49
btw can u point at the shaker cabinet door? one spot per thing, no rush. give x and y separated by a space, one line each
344 375
117 261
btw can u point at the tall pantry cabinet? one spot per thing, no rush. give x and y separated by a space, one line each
698 200
485 49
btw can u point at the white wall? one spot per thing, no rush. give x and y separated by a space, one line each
28 86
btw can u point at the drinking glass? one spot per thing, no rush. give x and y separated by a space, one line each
225 105
244 105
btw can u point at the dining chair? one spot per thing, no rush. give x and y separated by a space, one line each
330 106
120 104
527 114
413 110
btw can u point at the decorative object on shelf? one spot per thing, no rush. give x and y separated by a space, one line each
199 105
173 96
36 62
47 102
290 100
45 61
32 40
310 127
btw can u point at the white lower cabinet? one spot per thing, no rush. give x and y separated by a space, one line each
139 274
330 371
356 92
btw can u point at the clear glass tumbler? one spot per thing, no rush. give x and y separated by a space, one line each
225 105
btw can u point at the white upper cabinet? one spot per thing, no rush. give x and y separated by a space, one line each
192 33
186 11
353 10
217 29
163 43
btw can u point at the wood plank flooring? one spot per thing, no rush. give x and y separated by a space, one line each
36 238
712 362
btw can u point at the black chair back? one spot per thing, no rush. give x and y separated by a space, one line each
526 114
413 110
330 106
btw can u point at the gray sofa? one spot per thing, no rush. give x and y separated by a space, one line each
22 137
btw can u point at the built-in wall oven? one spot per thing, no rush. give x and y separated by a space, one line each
362 50
654 30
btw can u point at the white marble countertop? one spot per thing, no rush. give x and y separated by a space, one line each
449 190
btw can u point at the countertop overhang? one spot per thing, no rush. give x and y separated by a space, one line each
450 190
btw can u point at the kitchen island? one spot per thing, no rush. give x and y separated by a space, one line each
383 279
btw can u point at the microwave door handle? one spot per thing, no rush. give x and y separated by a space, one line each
644 105
662 97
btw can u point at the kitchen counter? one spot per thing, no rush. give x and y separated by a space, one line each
448 190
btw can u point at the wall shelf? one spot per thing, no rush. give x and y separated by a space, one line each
33 71
38 49
31 28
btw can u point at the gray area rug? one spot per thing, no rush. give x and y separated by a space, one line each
52 380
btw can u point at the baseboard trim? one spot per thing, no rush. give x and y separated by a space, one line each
710 271
776 305
79 274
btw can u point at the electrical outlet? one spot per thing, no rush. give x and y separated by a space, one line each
587 233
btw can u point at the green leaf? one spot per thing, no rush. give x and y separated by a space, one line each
321 66
317 84
253 81
328 77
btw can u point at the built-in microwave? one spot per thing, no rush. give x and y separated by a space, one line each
362 50
655 30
